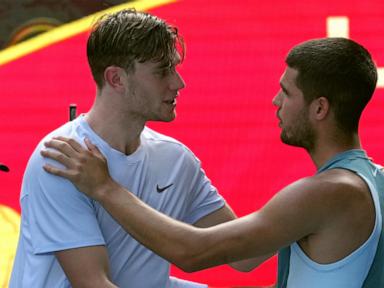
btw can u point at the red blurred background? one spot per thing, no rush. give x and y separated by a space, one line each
235 56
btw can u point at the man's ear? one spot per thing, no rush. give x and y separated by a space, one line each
114 76
320 108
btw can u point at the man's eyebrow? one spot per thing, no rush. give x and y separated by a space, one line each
163 65
168 63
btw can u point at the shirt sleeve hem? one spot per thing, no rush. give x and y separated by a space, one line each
205 211
53 247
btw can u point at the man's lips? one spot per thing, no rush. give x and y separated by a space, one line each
278 117
170 101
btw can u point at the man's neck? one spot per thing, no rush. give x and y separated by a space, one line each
327 149
121 132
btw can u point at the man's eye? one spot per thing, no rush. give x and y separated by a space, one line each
167 71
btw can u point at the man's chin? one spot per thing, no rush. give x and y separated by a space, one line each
171 117
168 118
298 144
289 141
284 138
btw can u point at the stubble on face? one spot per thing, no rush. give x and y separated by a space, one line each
152 89
300 133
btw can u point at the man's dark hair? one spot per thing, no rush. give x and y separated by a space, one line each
338 69
121 38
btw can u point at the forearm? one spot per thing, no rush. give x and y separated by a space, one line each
250 264
175 241
226 214
187 247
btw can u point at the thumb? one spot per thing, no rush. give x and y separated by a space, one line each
93 148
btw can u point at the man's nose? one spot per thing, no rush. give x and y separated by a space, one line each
276 101
177 82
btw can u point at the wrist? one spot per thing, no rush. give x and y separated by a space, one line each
104 191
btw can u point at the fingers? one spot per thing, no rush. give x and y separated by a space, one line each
71 142
66 150
56 171
57 156
93 148
60 146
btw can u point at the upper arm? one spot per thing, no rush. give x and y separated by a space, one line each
306 207
60 217
293 213
290 215
310 206
86 266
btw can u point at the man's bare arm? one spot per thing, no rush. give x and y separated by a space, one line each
86 267
289 216
226 214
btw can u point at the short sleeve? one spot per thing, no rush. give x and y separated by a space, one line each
205 198
58 215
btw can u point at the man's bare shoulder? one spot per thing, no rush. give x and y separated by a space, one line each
328 183
326 195
343 201
342 182
319 210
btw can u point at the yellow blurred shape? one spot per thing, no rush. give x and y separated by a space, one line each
9 235
380 80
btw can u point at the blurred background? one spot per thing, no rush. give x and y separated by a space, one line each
22 19
235 56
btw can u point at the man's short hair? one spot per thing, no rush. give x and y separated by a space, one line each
340 70
121 38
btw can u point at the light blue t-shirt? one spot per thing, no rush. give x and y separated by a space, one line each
56 216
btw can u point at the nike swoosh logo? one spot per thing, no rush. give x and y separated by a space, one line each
162 189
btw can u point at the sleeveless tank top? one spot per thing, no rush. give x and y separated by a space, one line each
364 267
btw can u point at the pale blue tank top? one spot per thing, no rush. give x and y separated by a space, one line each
297 270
